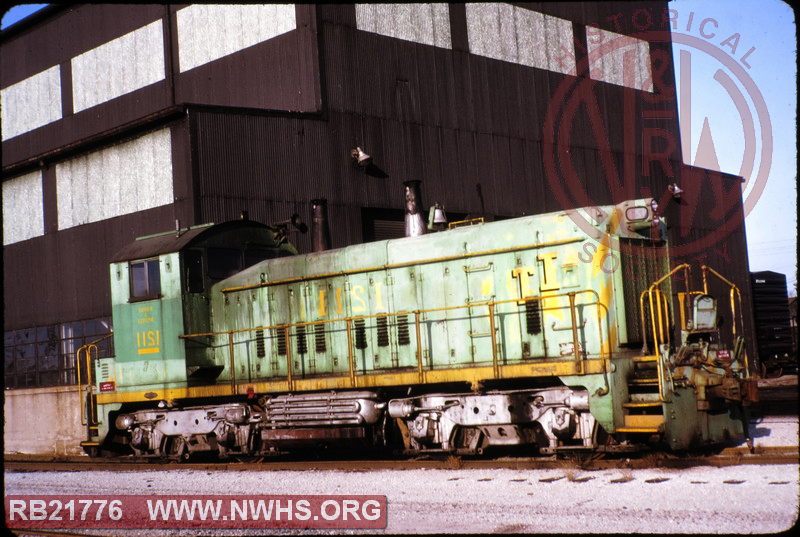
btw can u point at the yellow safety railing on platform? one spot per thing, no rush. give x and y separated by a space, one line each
88 415
658 306
88 406
739 346
604 353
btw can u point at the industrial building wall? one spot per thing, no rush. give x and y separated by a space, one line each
438 95
95 148
58 429
88 71
434 96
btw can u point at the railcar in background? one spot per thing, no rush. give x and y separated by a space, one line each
777 348
534 332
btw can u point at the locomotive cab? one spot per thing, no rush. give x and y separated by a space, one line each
160 291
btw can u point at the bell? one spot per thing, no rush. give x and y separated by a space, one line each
361 158
437 219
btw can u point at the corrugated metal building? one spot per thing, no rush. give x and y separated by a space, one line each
121 120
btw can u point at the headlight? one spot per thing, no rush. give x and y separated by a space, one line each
636 214
654 206
124 422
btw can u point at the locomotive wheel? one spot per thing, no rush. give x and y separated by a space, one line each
600 437
175 448
775 373
770 374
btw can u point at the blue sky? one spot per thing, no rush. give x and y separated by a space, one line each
732 28
769 27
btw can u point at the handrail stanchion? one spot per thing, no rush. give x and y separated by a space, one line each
495 362
419 346
350 363
80 385
88 410
575 343
287 334
233 363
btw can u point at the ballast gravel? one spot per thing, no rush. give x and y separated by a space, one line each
738 499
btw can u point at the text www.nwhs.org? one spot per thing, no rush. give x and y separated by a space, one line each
263 510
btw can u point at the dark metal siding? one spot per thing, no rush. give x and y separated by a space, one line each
699 237
67 35
281 74
63 276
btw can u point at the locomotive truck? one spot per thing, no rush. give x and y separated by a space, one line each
527 332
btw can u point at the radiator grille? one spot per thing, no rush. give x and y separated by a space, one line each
639 273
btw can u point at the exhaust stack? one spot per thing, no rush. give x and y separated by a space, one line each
415 225
320 231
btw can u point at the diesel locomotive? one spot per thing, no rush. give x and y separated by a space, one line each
551 332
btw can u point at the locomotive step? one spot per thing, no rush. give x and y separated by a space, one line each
644 421
642 404
645 359
643 381
650 430
646 397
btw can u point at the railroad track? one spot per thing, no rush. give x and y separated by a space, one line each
596 461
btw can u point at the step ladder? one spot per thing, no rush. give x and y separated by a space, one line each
87 397
644 411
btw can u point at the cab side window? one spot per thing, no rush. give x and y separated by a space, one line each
257 255
145 280
223 262
193 267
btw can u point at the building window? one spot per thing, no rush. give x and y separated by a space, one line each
145 280
47 355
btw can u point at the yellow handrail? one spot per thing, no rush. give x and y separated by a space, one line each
491 304
86 349
659 318
734 291
88 416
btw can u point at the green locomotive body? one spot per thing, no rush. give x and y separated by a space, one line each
526 331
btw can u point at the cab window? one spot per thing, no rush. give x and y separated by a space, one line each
145 279
223 262
193 268
257 255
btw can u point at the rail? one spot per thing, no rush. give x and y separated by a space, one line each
658 307
422 316
739 346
